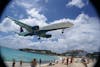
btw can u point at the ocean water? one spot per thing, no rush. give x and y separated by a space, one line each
10 54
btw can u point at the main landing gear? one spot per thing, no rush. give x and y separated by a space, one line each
62 31
39 38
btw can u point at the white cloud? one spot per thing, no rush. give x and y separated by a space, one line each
36 14
35 18
77 3
15 41
7 26
25 4
83 35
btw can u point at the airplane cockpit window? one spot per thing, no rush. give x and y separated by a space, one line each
55 33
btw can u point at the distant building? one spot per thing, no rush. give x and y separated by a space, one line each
76 53
96 54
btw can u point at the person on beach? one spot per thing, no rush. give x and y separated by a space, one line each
21 63
40 61
13 64
71 60
83 60
63 59
56 61
67 61
34 63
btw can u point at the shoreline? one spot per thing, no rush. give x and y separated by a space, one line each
76 63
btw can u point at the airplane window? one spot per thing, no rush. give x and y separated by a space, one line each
49 33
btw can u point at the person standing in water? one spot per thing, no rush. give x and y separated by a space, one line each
40 61
13 64
34 63
21 63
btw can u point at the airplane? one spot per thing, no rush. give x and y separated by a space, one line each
40 31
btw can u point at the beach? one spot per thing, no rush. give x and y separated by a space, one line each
76 63
9 64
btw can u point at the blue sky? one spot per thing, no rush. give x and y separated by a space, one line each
55 9
52 9
83 35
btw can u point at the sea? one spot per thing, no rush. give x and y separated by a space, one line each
9 54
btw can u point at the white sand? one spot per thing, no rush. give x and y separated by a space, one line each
17 64
9 64
76 63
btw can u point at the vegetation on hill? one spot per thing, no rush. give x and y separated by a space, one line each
75 53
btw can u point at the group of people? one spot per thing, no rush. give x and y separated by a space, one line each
33 63
70 60
67 60
14 62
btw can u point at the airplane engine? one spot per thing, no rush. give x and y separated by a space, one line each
47 36
35 28
21 29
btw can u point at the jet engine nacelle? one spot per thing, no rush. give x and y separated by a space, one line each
48 36
35 27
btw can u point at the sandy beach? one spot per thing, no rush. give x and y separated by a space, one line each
76 63
9 64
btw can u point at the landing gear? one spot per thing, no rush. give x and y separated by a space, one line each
62 31
39 38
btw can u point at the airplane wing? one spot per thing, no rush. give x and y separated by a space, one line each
27 27
57 26
23 33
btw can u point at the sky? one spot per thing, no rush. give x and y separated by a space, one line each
83 35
